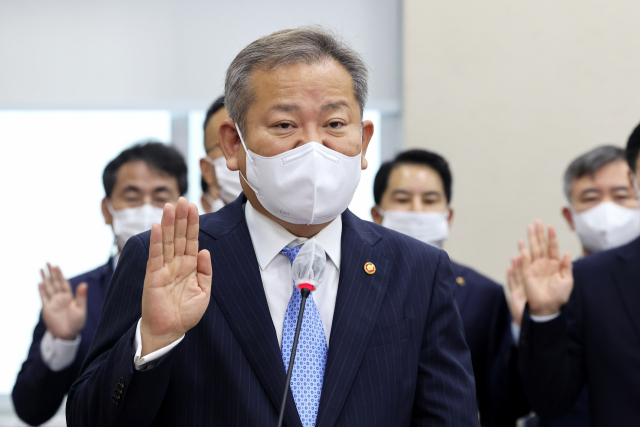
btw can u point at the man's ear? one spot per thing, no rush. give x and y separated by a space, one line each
377 218
108 219
230 144
566 213
367 133
450 219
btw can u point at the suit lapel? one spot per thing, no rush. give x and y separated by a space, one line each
626 276
358 303
237 289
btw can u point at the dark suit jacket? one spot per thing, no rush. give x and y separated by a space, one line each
397 355
39 391
595 339
487 327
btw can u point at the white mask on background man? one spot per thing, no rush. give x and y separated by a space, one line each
215 204
310 184
607 226
228 180
428 227
128 222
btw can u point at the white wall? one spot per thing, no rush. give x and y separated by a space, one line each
509 92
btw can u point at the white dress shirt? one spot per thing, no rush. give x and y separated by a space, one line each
269 238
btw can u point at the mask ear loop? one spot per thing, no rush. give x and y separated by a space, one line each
246 157
115 248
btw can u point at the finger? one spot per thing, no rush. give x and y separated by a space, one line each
53 279
43 293
46 281
566 266
156 260
180 232
81 297
554 250
536 252
542 239
63 283
204 271
193 228
168 227
511 278
520 265
524 251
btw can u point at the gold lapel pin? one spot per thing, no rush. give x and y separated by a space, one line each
460 281
369 268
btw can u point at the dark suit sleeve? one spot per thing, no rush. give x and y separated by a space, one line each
551 358
94 399
39 391
507 398
445 391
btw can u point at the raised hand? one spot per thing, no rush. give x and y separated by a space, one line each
63 315
548 279
177 284
516 296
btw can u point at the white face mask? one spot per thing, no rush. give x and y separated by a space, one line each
228 180
128 222
214 204
428 227
606 226
310 184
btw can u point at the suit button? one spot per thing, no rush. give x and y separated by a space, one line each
114 400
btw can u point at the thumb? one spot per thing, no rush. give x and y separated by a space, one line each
204 270
81 296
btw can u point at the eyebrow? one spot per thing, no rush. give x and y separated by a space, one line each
334 106
426 193
590 190
162 189
620 188
285 108
131 188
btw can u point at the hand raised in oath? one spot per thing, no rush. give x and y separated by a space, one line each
63 315
177 284
548 279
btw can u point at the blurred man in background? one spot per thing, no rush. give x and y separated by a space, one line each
137 184
220 186
582 323
603 211
413 196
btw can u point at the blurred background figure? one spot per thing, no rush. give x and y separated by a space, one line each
220 186
413 196
581 324
137 184
603 211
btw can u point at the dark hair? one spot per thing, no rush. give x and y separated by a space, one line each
217 105
156 155
589 163
413 157
633 148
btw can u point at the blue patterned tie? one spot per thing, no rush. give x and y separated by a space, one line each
311 355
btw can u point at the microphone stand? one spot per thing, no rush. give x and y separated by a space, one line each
304 291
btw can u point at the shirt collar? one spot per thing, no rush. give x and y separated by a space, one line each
269 237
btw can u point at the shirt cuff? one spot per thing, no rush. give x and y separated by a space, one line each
57 353
151 359
515 332
542 319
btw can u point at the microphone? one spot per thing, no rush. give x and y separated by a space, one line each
307 272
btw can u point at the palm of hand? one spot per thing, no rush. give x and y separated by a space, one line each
63 318
177 299
547 282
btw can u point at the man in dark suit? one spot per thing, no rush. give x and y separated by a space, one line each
603 211
582 324
413 195
184 340
140 178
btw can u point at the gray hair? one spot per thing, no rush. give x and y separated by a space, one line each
307 45
590 163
